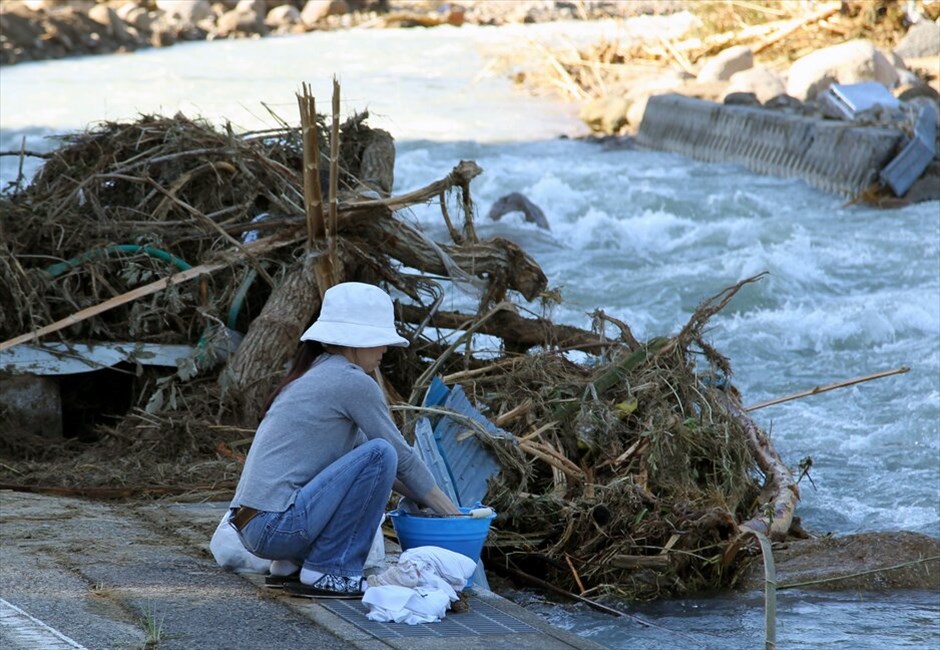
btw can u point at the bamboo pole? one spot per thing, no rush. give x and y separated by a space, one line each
313 196
326 266
334 181
822 389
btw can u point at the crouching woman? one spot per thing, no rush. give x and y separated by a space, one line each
327 455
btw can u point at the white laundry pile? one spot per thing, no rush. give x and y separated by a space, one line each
420 588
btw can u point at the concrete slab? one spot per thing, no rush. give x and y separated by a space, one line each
119 575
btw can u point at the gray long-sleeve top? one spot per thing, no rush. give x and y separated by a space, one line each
320 416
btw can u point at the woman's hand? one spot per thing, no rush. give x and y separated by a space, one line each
440 502
435 499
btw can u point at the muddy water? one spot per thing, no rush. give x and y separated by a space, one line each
644 235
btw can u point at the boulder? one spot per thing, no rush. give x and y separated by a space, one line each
921 40
910 92
906 78
896 61
852 62
762 81
101 14
281 17
658 84
136 16
39 5
186 14
726 63
786 104
105 15
854 563
238 21
741 99
162 32
316 10
258 7
53 6
606 114
456 15
516 202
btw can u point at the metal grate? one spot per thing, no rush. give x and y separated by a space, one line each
482 619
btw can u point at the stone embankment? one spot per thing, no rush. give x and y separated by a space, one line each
32 30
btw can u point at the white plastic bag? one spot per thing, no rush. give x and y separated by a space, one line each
376 557
231 554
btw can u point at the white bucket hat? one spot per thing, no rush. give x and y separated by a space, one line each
355 315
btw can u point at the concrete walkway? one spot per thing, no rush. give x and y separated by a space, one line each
97 575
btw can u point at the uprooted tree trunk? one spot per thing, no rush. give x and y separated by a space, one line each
252 372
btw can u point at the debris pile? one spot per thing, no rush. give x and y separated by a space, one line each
636 473
774 35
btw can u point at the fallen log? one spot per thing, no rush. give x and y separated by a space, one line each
252 371
499 260
518 333
780 492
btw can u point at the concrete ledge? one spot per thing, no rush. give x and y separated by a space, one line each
833 156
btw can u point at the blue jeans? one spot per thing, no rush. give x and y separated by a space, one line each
330 526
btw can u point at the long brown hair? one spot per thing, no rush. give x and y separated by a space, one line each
307 353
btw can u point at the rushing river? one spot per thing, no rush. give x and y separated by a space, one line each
644 235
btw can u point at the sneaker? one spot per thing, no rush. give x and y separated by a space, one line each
328 586
278 582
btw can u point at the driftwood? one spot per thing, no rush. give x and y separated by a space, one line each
497 258
251 373
460 176
518 333
780 493
377 169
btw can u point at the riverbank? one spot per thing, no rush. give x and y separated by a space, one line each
140 575
34 30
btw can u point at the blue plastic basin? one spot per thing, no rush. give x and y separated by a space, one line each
463 535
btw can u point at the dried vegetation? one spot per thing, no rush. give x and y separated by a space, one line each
777 31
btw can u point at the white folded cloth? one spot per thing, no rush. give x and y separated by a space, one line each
420 588
405 605
453 567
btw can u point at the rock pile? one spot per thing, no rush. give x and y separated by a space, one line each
32 30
